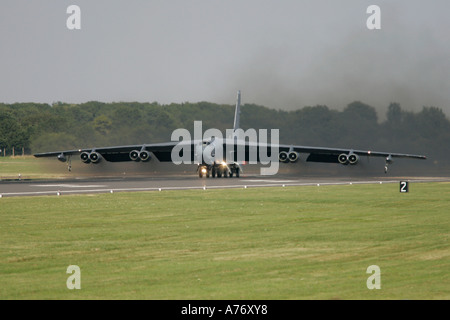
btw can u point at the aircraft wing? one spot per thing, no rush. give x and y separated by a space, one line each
162 151
288 153
337 155
332 154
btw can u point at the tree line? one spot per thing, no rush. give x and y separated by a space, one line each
42 127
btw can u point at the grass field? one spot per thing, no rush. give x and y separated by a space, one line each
29 167
265 243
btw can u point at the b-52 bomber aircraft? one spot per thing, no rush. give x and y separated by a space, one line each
223 157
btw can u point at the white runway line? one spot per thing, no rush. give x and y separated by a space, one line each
68 186
110 190
271 181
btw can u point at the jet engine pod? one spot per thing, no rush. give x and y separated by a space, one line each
95 157
343 158
144 155
283 157
134 155
293 156
85 157
353 158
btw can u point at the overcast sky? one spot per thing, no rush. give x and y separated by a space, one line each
283 54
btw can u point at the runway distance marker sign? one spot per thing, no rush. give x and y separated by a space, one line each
404 186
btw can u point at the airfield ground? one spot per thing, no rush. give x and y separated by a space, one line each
302 242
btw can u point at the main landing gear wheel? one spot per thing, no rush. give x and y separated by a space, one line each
219 172
234 171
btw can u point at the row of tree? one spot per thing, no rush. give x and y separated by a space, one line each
42 127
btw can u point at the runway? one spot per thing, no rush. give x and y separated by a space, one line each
19 188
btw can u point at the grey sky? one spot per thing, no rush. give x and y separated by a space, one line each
283 54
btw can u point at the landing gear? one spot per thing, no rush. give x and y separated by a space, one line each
388 162
219 170
202 171
234 170
69 163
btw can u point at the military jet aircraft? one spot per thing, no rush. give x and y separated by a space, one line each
215 156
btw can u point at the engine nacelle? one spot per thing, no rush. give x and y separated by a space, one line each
343 158
283 157
85 157
95 157
134 155
353 158
144 156
293 156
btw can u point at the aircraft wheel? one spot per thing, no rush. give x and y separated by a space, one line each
201 174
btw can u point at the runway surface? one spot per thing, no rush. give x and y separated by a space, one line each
111 185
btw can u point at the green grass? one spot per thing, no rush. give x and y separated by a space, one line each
30 167
262 243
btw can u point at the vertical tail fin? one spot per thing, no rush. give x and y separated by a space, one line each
237 112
